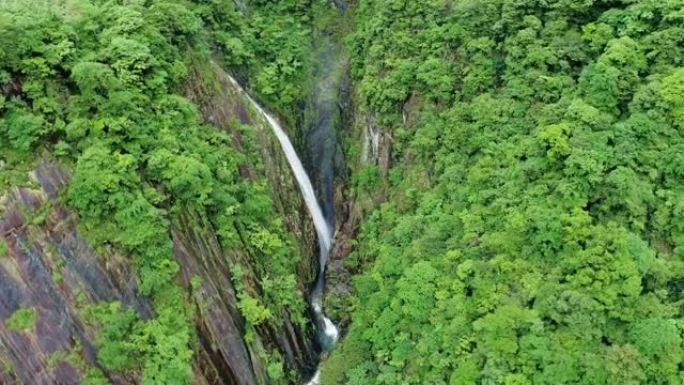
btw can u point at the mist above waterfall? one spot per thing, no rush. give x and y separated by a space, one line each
321 118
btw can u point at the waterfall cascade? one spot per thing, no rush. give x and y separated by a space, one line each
328 332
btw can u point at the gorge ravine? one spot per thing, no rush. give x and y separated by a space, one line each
327 331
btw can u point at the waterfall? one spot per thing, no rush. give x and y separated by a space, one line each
325 325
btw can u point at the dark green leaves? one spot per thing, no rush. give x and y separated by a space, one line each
532 232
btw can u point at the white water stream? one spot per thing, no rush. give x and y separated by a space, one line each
323 231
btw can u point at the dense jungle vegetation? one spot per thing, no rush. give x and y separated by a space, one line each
528 229
97 86
534 230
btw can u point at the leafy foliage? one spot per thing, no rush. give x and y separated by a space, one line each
534 236
22 319
97 84
271 45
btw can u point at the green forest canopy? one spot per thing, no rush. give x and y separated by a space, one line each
97 86
534 231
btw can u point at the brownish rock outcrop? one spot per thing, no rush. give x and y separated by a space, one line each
51 269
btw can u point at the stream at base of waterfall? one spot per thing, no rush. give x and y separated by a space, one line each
328 333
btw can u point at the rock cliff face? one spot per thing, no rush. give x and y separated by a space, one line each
50 271
220 104
365 144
